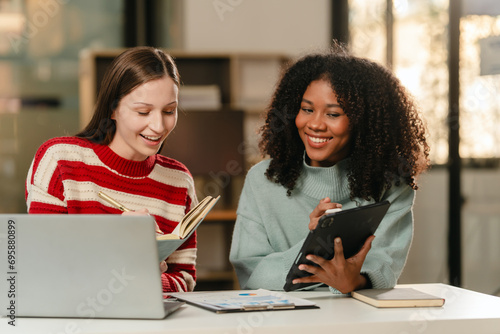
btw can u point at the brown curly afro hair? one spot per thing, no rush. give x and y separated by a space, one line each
388 142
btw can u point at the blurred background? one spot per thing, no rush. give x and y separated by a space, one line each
230 54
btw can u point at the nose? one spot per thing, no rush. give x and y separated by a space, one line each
156 122
316 122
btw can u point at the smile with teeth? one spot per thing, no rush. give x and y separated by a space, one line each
318 140
152 138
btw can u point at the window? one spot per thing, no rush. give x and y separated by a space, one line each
419 53
40 42
480 87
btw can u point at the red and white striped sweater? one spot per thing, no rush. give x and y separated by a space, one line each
67 174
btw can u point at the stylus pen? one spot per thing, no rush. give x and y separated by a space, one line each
113 202
122 207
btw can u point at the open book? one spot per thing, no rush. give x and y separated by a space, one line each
397 297
168 243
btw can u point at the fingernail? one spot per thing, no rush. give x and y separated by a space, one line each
337 240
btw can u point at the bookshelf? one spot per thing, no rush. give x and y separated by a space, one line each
245 80
221 98
214 271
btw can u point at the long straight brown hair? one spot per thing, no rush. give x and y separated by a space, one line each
130 69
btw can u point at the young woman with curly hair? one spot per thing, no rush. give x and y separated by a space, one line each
341 131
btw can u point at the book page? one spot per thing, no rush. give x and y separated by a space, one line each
193 217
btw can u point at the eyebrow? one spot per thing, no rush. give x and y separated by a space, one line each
333 105
149 104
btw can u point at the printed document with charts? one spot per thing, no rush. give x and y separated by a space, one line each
243 300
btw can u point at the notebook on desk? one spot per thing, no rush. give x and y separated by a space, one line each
83 266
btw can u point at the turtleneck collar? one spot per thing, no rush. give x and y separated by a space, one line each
124 166
321 182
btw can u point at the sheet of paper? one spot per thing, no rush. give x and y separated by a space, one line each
238 299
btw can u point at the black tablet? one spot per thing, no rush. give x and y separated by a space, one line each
353 226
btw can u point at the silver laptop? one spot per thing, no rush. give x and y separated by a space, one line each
84 266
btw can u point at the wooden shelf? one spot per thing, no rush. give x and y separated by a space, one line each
221 215
206 275
245 80
224 276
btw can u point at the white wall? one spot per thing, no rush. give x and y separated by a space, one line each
284 26
427 261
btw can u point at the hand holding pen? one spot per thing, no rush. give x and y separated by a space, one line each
123 208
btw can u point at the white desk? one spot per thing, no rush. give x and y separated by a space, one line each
464 312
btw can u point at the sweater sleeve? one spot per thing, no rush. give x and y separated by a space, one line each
181 273
387 257
256 262
44 187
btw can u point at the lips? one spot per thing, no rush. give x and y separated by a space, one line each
318 141
151 138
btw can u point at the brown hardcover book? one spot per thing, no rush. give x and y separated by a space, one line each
397 297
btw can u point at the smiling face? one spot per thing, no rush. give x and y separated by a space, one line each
144 118
323 126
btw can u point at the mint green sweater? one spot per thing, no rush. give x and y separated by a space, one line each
271 226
